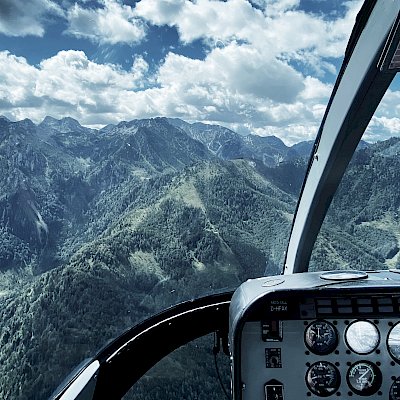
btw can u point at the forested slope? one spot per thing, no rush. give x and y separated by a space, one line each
142 215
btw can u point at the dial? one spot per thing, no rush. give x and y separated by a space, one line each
364 378
394 342
321 337
362 337
323 378
394 393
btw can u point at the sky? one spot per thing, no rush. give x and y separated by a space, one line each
264 67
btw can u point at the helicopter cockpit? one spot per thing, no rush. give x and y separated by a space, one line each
300 334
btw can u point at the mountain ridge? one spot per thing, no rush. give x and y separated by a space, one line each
101 229
59 167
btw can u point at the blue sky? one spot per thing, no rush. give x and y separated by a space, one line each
262 66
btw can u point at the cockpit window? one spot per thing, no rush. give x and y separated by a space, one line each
152 152
361 228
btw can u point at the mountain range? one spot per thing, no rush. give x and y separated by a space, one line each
102 228
57 172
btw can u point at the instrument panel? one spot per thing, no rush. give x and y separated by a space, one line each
344 358
362 337
310 345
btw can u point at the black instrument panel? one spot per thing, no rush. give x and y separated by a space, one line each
367 352
346 358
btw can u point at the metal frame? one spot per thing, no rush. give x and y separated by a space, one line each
124 361
358 91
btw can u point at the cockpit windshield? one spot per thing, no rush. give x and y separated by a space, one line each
153 152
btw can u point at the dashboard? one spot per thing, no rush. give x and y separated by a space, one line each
338 339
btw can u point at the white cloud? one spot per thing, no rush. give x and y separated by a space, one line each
232 87
70 77
273 7
241 69
390 125
160 12
23 18
217 90
17 81
292 133
249 83
203 18
241 88
281 30
315 89
68 84
247 75
386 121
111 24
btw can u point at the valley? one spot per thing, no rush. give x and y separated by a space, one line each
103 228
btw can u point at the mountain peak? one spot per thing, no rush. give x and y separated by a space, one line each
129 127
26 124
49 120
265 140
64 125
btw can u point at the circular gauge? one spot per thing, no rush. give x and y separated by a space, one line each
321 337
394 393
362 337
364 378
323 378
394 342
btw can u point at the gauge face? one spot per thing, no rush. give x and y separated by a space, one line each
394 393
362 337
321 337
323 378
394 342
364 378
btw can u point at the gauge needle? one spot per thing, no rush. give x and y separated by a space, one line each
362 375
